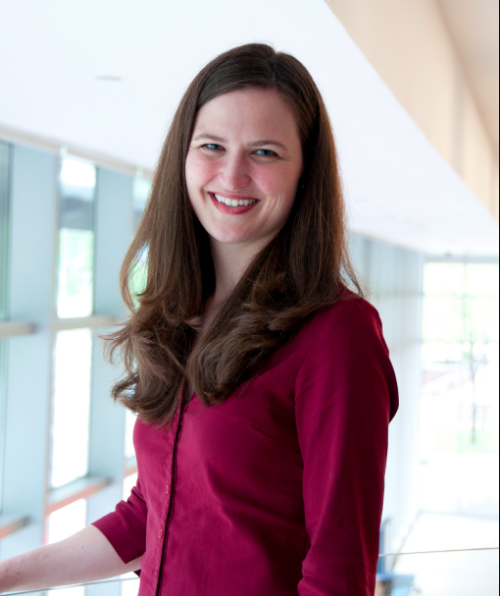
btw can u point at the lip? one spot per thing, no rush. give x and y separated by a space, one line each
233 210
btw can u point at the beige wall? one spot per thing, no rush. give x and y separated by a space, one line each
408 43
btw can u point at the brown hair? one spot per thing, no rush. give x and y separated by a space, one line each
299 272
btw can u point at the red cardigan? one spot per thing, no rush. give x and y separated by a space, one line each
277 491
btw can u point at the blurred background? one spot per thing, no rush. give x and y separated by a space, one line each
88 92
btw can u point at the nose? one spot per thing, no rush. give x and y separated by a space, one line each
234 173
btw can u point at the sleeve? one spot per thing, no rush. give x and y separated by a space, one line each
125 528
346 394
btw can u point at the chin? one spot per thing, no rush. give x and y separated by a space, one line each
234 239
223 235
227 235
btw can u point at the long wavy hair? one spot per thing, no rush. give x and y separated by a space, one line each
302 270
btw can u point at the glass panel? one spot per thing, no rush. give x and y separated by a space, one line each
70 424
74 591
128 582
482 281
131 587
141 192
3 406
443 319
128 484
4 226
76 239
138 277
459 406
439 532
444 279
66 521
4 277
130 419
467 573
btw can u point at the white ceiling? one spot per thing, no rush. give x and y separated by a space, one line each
55 56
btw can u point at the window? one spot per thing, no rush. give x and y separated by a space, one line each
66 521
76 239
4 227
4 274
75 299
141 192
51 360
130 419
459 405
71 406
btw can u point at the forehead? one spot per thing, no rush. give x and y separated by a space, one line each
248 112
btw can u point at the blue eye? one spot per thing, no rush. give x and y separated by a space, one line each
265 153
212 147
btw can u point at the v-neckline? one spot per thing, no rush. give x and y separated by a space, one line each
193 395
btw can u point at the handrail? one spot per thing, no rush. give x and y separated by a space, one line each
92 322
15 329
19 328
128 579
106 581
12 523
441 552
82 488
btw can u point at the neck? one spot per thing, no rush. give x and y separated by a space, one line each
230 263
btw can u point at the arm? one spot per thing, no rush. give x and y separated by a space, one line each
125 527
113 545
86 556
345 396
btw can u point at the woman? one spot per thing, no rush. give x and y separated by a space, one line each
262 384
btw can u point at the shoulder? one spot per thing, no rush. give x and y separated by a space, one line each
350 319
345 353
341 337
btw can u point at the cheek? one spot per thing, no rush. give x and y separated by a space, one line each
280 183
199 171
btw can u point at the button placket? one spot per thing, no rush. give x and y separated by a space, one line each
163 533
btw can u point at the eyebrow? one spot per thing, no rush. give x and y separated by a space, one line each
211 137
268 142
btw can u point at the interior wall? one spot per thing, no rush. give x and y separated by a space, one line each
409 45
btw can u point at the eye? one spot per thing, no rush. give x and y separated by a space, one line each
213 147
265 153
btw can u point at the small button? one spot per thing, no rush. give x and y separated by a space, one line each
160 534
167 490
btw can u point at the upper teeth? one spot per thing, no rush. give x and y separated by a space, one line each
234 202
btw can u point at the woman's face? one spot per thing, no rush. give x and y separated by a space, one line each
243 166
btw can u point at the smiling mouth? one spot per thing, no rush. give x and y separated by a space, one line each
233 202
